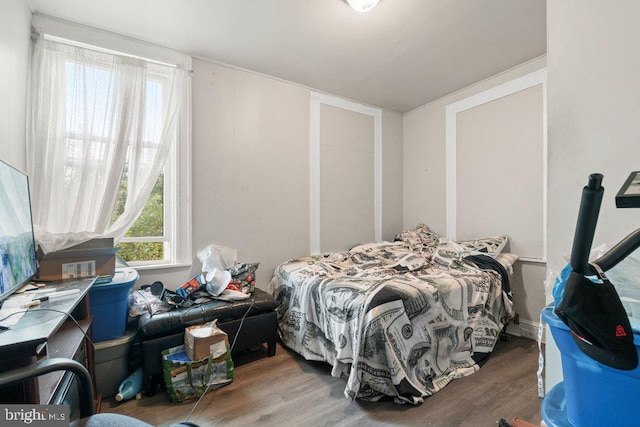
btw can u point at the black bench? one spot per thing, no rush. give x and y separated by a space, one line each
165 330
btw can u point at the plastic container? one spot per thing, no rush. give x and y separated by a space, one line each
626 279
131 386
594 394
554 407
109 305
112 363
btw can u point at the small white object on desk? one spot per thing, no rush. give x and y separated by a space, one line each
42 291
58 294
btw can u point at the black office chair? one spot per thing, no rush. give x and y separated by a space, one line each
88 417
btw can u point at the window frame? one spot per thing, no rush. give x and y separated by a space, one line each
179 159
177 199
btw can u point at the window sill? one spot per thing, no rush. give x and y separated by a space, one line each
143 267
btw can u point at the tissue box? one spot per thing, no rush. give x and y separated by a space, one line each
202 340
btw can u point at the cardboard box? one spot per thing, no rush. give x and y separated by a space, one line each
202 340
97 257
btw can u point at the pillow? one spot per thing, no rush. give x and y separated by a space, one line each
419 239
450 254
491 246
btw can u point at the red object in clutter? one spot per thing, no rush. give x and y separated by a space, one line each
191 286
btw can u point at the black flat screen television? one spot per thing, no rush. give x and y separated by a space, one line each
17 244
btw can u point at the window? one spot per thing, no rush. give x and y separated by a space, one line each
111 149
145 241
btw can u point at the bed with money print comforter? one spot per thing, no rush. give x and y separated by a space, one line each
399 319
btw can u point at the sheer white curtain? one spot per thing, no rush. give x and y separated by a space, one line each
93 116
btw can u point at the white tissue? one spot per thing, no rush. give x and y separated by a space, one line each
202 332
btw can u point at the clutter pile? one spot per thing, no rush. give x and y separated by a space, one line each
204 361
222 278
243 278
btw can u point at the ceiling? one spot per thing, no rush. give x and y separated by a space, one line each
401 55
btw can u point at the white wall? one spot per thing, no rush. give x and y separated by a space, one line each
250 175
250 166
15 30
499 169
425 182
593 111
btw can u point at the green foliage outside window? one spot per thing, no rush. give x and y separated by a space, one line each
149 223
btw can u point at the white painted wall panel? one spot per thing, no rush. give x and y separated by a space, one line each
346 178
392 179
500 172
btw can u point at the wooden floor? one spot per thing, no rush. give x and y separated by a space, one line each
287 390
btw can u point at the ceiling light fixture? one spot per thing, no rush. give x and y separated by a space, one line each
362 5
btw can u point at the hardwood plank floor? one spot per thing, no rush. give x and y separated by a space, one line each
287 390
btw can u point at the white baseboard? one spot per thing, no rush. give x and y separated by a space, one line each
529 329
513 329
524 328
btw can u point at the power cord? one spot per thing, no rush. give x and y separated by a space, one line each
253 300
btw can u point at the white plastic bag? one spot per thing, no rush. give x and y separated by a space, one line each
217 257
216 260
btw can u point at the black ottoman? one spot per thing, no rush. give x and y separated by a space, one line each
165 330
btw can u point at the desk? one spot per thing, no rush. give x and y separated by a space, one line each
42 333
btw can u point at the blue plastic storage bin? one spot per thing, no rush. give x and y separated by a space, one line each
594 394
554 407
108 303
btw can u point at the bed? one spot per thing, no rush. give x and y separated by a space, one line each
398 319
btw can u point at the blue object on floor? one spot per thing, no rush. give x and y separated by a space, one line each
131 386
108 303
554 412
594 394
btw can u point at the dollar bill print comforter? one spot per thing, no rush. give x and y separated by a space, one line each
399 319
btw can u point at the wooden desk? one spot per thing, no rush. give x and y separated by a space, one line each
43 333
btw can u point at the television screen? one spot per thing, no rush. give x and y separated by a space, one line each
17 245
